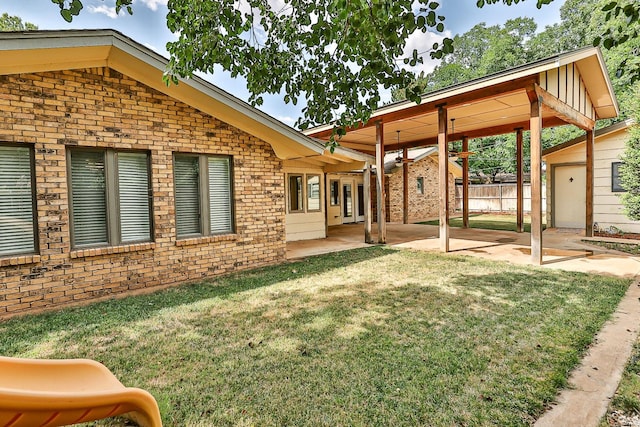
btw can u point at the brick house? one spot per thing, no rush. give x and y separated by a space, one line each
112 181
345 198
423 189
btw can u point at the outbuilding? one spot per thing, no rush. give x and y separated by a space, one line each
566 182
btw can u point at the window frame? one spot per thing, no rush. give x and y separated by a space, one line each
303 196
204 206
304 177
420 185
307 196
616 187
334 192
34 200
112 197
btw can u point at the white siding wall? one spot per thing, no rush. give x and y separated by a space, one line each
607 208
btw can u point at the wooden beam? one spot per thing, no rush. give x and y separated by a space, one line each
382 211
366 178
443 178
589 142
519 182
465 184
405 186
564 111
536 183
517 85
479 133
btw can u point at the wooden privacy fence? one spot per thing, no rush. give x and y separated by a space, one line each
497 198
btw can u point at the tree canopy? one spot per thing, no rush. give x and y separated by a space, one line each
483 50
14 23
337 55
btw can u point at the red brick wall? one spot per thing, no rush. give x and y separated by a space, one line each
103 108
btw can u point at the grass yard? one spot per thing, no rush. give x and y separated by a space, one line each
507 222
373 336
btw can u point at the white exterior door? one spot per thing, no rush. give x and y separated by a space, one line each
569 186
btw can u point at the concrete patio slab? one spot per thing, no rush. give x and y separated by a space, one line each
563 249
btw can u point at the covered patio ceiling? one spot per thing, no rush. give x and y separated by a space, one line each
494 105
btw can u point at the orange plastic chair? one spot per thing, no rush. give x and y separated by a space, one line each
50 393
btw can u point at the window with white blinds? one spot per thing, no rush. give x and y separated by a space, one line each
204 199
186 176
88 198
17 223
110 197
220 195
135 203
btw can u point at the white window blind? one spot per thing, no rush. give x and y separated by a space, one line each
187 195
133 189
89 198
220 195
16 201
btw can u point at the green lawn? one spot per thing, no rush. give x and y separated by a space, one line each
372 336
505 222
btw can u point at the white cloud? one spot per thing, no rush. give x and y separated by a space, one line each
153 4
423 43
287 120
105 10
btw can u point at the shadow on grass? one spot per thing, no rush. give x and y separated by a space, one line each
133 308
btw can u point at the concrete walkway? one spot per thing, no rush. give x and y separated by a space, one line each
595 380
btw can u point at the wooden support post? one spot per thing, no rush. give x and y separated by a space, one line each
536 182
366 178
465 183
443 178
519 183
382 211
589 191
405 186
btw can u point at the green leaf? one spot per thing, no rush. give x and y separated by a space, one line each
609 6
66 14
608 43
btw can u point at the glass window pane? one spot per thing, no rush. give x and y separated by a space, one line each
88 198
295 193
133 189
348 201
616 186
16 201
313 192
420 185
220 205
186 173
335 192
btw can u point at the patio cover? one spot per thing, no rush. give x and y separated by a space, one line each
570 88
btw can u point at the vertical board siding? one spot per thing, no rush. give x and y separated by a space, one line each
565 83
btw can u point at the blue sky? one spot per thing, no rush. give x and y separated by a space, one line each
148 27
